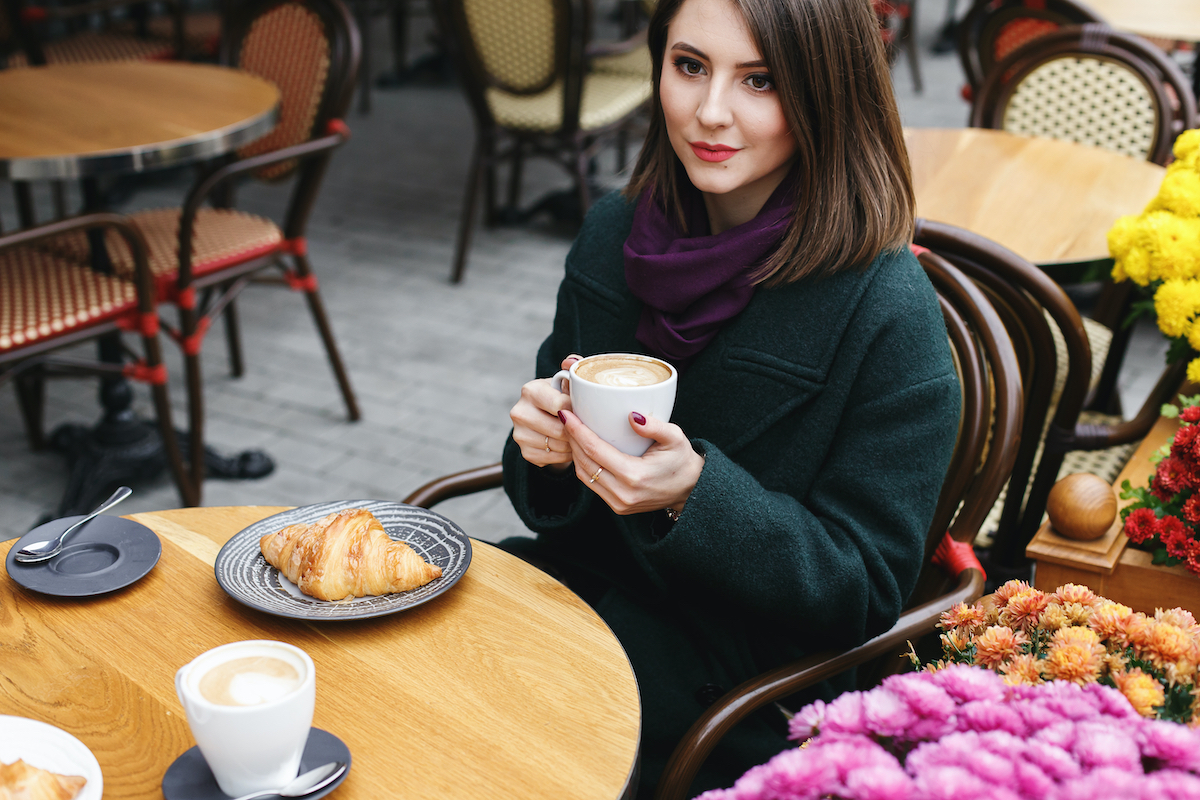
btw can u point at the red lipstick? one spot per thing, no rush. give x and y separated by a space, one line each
712 152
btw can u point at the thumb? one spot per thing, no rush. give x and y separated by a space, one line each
649 427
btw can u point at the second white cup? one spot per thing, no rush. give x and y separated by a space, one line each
606 388
250 707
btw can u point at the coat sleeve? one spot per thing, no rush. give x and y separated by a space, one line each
837 564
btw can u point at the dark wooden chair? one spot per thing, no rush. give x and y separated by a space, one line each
898 22
1061 378
1093 85
994 28
203 256
49 302
983 456
93 33
525 71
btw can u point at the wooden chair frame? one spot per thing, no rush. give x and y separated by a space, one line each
992 395
28 366
26 21
1176 107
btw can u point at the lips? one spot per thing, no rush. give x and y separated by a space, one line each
712 152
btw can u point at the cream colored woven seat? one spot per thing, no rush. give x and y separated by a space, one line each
607 98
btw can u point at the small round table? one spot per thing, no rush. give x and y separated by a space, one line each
68 121
1049 201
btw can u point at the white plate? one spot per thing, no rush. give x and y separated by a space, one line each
50 748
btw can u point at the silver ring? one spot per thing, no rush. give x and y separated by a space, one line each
547 444
597 475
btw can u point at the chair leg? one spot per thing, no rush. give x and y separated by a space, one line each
189 489
514 183
195 388
362 13
622 148
31 394
331 349
59 191
233 338
468 215
909 33
582 169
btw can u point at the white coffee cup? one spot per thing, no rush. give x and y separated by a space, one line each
257 746
605 408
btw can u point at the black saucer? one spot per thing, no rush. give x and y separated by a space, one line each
106 554
189 777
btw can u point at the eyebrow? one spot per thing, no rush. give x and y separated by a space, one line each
690 49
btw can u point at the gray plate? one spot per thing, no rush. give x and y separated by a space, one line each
107 554
248 578
189 778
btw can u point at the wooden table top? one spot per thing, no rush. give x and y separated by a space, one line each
75 120
1049 201
1167 19
505 686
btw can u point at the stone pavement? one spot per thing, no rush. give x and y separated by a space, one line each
436 367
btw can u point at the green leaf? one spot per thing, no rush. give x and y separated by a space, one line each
1160 556
1169 411
1179 349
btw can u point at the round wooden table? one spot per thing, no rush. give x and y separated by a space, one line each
1050 201
506 686
77 120
1164 19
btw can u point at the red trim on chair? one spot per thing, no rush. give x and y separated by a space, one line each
146 324
956 557
967 93
306 284
295 247
191 344
337 126
186 298
918 250
33 14
140 371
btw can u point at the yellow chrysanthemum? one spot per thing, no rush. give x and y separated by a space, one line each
1024 669
1179 192
1187 146
1193 370
1075 655
1142 691
1176 303
998 644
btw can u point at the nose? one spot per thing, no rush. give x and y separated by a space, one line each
715 110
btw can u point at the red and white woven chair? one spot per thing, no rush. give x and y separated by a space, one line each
31 44
203 256
49 302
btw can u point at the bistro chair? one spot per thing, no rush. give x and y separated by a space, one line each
200 35
30 42
898 21
1093 85
983 456
994 28
49 303
203 256
524 69
1065 360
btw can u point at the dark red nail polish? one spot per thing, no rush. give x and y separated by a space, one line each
563 417
638 418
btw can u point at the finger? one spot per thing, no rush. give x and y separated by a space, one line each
652 427
594 449
542 395
569 360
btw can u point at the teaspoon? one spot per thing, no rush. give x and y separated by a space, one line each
304 784
42 551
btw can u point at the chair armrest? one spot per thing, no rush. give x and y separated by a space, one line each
1098 437
772 686
466 482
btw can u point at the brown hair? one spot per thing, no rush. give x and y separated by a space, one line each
854 193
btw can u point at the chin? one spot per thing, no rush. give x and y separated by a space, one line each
713 181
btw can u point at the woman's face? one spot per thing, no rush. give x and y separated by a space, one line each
722 112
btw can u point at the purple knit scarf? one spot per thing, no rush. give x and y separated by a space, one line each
692 282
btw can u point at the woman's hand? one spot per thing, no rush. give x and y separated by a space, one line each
537 428
662 478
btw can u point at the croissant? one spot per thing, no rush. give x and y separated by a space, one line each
20 781
345 554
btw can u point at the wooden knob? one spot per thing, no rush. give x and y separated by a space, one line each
1082 506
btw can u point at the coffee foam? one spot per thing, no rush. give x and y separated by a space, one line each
620 371
248 680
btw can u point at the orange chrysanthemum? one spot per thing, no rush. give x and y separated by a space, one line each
1177 616
1024 609
1142 691
1024 669
1074 593
1168 644
963 617
1075 655
998 644
1111 620
955 642
1008 590
1054 617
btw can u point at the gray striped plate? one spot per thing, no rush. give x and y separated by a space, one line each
247 577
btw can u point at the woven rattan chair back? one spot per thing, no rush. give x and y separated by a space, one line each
518 46
1092 85
310 50
994 28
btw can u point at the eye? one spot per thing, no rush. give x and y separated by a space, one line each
689 66
760 82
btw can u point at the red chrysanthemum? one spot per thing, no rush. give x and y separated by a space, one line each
1184 444
1174 536
1141 524
1171 475
1191 509
1192 560
1190 414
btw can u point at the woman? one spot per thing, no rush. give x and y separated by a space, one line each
761 248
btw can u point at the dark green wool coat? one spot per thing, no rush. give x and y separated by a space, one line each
826 411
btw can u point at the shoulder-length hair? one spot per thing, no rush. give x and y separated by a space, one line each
854 193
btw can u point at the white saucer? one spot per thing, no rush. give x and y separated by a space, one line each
47 747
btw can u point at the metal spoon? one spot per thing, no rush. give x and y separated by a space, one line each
307 783
41 551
